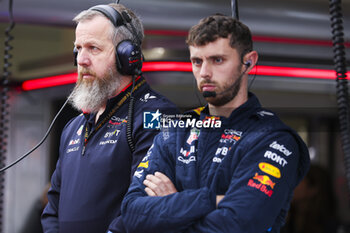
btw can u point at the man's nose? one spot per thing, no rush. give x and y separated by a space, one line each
83 58
205 71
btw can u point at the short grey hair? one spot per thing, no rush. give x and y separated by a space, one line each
120 33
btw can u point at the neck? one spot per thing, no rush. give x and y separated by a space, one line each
226 109
100 112
124 82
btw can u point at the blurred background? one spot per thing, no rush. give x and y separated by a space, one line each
294 78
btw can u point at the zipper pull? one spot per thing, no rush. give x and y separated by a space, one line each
83 150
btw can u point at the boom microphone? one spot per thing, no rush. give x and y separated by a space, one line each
207 94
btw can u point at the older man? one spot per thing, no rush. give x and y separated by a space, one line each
101 148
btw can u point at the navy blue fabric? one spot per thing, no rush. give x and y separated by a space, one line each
253 159
87 190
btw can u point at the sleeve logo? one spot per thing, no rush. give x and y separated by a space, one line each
264 184
270 169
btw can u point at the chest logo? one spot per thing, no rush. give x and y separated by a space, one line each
80 130
147 97
193 136
230 136
186 155
116 121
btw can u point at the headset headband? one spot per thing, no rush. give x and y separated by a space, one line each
111 13
118 19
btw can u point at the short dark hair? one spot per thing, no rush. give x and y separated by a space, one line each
217 26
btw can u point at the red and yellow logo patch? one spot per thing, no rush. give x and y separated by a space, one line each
264 184
270 169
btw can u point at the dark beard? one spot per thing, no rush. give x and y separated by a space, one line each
228 94
226 97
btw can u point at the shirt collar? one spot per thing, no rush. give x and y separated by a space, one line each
247 109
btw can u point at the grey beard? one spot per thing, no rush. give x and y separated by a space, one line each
91 96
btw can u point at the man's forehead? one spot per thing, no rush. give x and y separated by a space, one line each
97 24
220 46
95 29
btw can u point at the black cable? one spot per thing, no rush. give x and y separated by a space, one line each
253 79
129 124
41 141
4 106
234 7
342 82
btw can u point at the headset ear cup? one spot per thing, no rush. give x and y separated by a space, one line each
75 55
117 61
128 58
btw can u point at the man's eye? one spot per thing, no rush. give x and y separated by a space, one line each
94 49
196 61
218 60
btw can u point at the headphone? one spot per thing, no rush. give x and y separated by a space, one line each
128 53
248 63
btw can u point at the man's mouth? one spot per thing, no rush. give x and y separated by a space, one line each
208 87
86 76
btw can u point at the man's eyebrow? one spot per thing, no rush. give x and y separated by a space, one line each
89 42
194 57
210 57
217 55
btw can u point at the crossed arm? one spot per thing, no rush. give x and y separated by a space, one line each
154 201
160 185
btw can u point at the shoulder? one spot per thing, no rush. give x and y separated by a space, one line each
273 140
150 98
267 120
267 129
72 123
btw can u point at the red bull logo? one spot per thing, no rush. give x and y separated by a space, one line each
265 184
234 137
264 179
231 136
199 110
211 119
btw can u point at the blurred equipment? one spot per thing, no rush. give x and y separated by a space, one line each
234 6
342 82
4 112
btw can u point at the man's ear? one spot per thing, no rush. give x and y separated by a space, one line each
250 60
